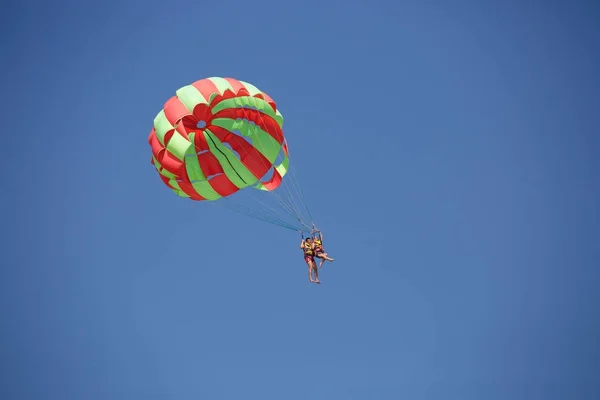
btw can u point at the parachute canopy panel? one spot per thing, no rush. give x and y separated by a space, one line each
218 136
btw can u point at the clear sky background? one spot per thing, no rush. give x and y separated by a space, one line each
448 150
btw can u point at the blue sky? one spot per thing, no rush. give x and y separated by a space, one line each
448 150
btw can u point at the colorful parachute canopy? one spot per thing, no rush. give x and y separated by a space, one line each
217 136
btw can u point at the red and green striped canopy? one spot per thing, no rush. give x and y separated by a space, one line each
217 136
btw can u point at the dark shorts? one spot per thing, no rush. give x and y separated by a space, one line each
308 258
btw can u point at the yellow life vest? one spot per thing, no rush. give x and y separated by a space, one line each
308 249
317 243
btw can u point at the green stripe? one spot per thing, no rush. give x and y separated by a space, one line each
260 105
190 97
164 172
258 185
263 107
194 171
253 90
162 126
232 166
204 189
197 176
282 169
279 118
181 193
167 174
177 189
192 165
221 84
284 166
261 140
156 163
178 146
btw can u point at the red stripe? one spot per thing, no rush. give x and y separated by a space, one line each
249 155
181 128
236 85
200 142
166 181
274 182
223 185
155 145
285 148
170 163
264 121
209 164
188 189
175 110
268 99
202 112
206 87
151 135
158 149
241 90
168 136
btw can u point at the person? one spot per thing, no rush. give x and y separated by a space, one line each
319 250
308 247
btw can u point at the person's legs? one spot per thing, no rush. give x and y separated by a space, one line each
309 262
325 256
321 263
316 272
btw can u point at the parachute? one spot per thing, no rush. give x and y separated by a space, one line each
221 141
